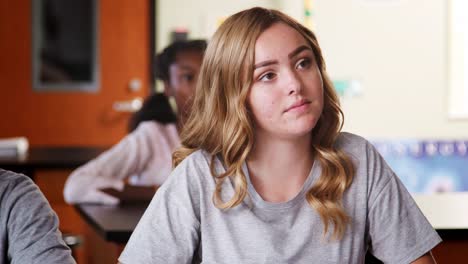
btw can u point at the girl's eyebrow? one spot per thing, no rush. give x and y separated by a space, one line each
264 63
290 55
298 50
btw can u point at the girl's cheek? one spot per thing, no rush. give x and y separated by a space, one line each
269 110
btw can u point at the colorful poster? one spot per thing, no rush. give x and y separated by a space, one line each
428 166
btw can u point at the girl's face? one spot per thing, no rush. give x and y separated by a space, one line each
286 97
183 75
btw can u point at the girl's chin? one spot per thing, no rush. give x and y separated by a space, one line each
298 132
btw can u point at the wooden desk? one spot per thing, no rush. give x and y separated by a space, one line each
113 223
48 158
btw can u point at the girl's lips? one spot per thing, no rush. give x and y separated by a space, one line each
298 105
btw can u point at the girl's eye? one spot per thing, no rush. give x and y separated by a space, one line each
304 63
188 77
267 76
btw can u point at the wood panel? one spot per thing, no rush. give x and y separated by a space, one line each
73 118
451 251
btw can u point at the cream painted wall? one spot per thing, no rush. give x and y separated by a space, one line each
397 49
200 17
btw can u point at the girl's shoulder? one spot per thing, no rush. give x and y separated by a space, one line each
199 160
196 167
353 143
363 154
192 176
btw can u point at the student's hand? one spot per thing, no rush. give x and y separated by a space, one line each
88 190
100 197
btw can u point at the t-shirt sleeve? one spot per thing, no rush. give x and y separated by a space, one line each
32 226
168 231
397 229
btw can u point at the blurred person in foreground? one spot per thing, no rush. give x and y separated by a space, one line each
29 228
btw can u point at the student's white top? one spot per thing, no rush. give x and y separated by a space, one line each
143 156
181 224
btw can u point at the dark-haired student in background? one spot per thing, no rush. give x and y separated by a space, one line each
29 230
143 157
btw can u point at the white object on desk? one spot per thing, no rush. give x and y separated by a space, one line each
14 147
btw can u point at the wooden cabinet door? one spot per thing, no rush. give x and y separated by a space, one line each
74 118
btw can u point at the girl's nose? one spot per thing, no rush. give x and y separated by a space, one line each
294 84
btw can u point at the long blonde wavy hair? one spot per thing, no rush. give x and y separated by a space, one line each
221 124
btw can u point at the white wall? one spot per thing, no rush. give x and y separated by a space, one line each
199 17
397 49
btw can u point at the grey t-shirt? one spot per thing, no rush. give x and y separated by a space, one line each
28 226
181 224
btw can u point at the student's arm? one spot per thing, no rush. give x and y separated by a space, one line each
129 157
425 259
32 226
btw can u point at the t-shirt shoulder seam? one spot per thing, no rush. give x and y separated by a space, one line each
385 186
181 205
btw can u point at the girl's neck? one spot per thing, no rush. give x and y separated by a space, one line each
278 168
